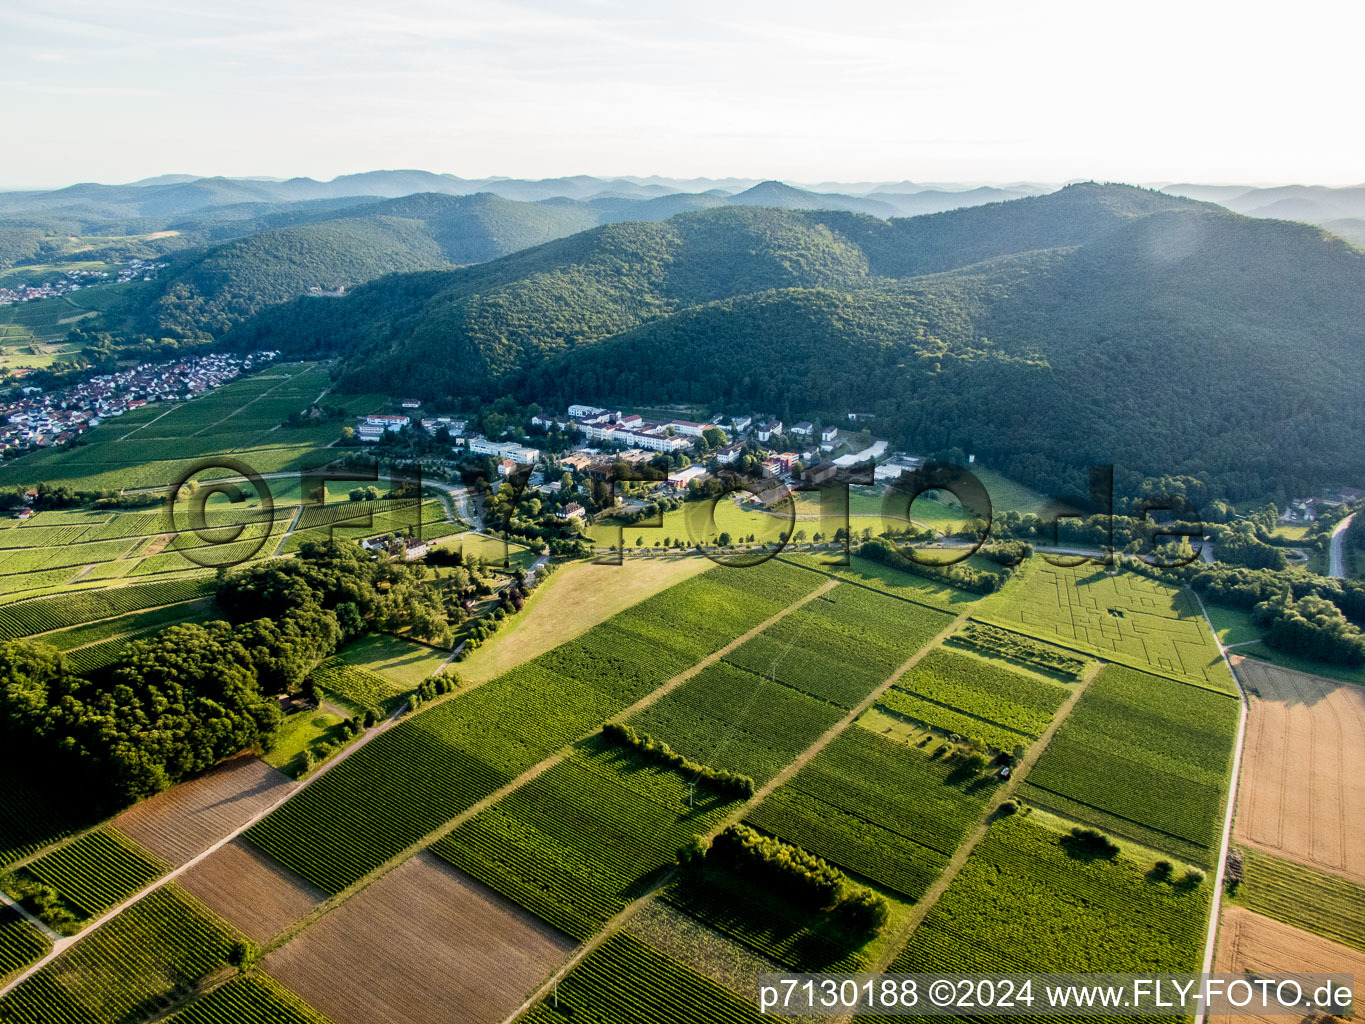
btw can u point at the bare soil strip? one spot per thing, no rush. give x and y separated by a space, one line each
251 891
426 944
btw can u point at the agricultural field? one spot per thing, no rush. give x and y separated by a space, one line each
1249 944
180 823
627 981
888 580
31 817
840 646
1144 757
1024 903
158 444
413 778
1124 618
425 944
142 960
993 642
878 808
97 872
997 696
254 998
20 943
250 891
1300 793
405 662
571 601
489 550
732 719
1327 905
358 689
41 614
573 844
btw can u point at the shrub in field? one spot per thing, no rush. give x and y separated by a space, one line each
1088 844
727 782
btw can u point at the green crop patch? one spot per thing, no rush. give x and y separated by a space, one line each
97 872
732 719
1143 756
985 690
1124 618
977 731
1024 903
627 981
842 645
572 845
992 641
142 960
877 807
359 689
20 943
415 777
43 614
864 572
255 998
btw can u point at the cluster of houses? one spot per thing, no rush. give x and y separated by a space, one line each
74 280
35 418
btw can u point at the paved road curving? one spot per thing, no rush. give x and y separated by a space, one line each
1336 562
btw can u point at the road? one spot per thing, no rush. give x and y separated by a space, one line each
1336 561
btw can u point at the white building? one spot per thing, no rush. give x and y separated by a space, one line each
680 479
386 420
687 427
578 412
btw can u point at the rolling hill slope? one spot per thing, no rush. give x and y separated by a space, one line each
1160 333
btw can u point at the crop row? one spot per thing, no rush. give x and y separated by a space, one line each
1147 749
570 844
36 560
1023 903
979 732
1035 654
413 778
128 968
840 646
1322 904
356 687
626 981
98 871
987 689
43 614
254 998
731 719
20 943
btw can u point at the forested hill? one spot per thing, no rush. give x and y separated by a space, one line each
1100 323
207 291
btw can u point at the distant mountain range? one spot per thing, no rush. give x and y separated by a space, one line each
1098 323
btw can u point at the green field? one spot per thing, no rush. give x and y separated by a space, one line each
576 843
255 998
319 732
1125 618
878 808
627 981
1319 903
97 872
1143 757
20 943
405 662
413 778
149 955
1022 903
358 689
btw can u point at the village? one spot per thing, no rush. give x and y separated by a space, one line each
799 452
74 280
41 419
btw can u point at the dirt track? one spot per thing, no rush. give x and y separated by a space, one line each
1301 790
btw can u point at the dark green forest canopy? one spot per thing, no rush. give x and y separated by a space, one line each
1098 324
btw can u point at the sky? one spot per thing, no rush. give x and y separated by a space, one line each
963 91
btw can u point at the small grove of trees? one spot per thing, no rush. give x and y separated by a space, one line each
1310 627
796 874
726 782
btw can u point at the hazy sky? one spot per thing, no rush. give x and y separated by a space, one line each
110 91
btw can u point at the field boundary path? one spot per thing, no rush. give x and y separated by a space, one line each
548 986
968 845
1215 907
532 773
293 524
61 945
